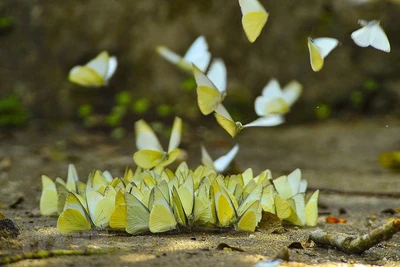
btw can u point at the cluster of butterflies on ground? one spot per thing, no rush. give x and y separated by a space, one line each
160 200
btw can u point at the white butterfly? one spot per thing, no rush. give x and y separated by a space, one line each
319 48
274 100
222 162
96 72
371 34
197 54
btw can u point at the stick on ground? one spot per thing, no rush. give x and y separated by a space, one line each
356 244
48 254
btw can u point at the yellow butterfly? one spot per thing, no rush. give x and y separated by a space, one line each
254 18
211 88
137 215
311 210
233 128
162 218
248 221
49 197
291 210
226 204
319 48
47 202
151 153
275 100
96 72
197 54
118 216
220 164
75 217
202 207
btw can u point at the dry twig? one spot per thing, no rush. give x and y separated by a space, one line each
357 244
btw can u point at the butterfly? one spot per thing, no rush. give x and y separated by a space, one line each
319 48
197 54
81 213
311 209
220 164
254 18
290 202
151 153
49 197
371 34
137 215
233 128
225 203
275 100
211 88
95 73
118 216
55 193
162 218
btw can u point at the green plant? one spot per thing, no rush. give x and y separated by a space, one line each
12 112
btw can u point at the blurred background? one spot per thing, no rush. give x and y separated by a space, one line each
41 40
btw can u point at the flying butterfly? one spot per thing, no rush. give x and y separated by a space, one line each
254 18
211 88
275 100
151 153
221 163
197 54
96 73
234 127
319 48
371 34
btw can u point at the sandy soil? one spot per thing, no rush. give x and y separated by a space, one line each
332 155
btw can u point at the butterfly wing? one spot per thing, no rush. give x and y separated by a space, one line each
206 158
208 96
85 76
223 162
248 221
316 59
49 197
217 74
162 219
146 138
198 54
72 220
137 215
169 55
325 45
380 41
175 138
291 92
253 19
112 67
225 120
311 210
267 121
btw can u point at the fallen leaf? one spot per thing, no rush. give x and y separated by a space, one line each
333 219
224 246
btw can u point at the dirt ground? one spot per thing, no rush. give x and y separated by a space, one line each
339 157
